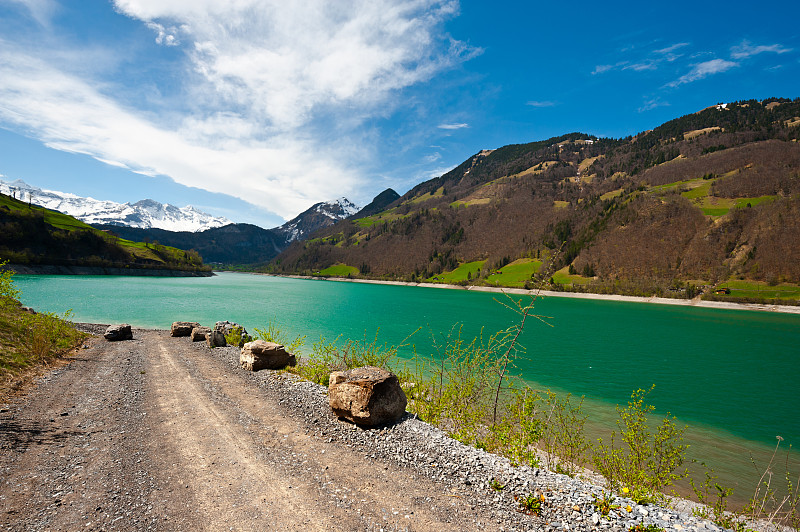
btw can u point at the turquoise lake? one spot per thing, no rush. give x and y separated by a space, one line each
731 375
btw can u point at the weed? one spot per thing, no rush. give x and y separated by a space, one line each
648 463
714 498
236 336
641 527
496 485
273 334
531 504
605 504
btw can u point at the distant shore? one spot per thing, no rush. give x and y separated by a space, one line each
763 307
46 269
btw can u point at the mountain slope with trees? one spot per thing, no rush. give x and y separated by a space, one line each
34 236
710 198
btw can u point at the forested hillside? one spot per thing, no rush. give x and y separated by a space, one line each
33 236
709 199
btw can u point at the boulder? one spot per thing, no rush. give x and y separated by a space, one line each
265 355
183 328
227 327
118 332
366 396
215 339
199 334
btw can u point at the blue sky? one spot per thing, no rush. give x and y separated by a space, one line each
256 109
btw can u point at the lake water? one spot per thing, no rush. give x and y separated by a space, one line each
731 375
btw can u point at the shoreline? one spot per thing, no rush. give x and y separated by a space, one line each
761 307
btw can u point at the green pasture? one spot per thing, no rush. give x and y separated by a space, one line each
471 269
564 278
339 270
515 274
761 290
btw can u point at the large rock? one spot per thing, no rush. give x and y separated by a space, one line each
199 334
265 355
118 332
227 327
183 328
366 396
215 339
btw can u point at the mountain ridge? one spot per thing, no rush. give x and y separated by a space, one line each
708 199
145 214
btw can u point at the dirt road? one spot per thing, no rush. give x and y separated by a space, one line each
160 433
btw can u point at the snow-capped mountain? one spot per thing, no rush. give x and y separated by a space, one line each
318 216
144 214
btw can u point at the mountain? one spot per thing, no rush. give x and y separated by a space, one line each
244 243
319 215
230 244
143 214
381 202
36 237
711 198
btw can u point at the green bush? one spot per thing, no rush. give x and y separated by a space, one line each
646 463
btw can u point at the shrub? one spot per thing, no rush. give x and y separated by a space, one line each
647 463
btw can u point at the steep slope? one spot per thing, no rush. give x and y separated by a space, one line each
704 198
231 244
143 214
319 215
378 204
32 235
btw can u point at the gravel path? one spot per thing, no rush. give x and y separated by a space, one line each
160 433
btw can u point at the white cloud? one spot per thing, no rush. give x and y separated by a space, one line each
266 85
69 115
703 70
535 103
746 49
452 126
40 10
670 49
652 104
165 36
286 61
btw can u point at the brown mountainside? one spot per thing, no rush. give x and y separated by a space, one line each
704 198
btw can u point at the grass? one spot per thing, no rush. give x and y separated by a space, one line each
29 340
699 193
438 193
515 274
470 203
611 195
339 270
460 274
558 204
760 290
137 250
564 278
388 216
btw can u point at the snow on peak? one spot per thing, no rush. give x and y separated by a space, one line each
144 214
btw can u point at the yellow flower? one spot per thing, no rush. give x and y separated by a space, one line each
629 508
625 491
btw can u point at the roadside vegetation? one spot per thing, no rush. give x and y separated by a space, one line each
28 340
469 387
